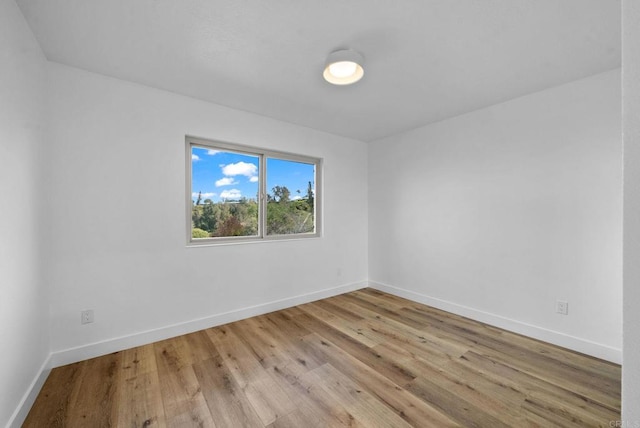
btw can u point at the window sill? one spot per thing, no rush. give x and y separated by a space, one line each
242 241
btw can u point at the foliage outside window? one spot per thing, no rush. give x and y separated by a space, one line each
243 193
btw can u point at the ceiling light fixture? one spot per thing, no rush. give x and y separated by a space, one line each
343 67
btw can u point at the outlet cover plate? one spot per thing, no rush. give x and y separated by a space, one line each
86 317
562 307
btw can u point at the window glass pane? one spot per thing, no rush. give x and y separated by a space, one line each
290 197
224 188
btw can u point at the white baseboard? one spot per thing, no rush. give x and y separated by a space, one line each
20 414
91 350
584 346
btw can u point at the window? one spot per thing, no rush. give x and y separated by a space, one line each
240 193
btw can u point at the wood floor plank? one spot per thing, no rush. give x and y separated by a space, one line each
398 325
273 350
390 312
335 307
310 386
408 406
199 347
557 412
53 404
140 401
283 319
464 413
557 374
184 404
362 359
328 315
266 396
319 408
564 355
469 396
139 360
601 387
518 380
296 419
95 404
139 396
386 331
363 353
364 408
225 398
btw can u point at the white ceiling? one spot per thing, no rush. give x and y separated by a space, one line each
425 59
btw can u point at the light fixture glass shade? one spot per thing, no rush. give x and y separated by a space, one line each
344 67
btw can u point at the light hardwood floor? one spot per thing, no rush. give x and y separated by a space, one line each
364 359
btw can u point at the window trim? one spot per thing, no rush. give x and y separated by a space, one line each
262 154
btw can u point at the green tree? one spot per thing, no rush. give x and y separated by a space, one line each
208 220
310 198
281 193
240 218
278 219
199 233
285 216
196 216
231 227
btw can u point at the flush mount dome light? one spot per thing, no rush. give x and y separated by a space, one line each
343 67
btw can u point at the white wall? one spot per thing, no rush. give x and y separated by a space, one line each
631 130
495 214
24 337
498 213
118 217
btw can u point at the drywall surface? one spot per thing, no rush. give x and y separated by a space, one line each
118 213
24 335
501 212
631 132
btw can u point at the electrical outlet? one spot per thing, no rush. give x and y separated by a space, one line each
562 307
86 317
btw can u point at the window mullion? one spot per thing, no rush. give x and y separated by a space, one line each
262 176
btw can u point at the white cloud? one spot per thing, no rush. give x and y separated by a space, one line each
195 158
204 195
254 179
225 181
240 168
296 197
212 152
231 194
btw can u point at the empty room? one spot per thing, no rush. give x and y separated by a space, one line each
220 213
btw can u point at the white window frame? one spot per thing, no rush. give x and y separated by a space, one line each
262 155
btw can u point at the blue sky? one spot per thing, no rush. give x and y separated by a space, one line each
225 175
